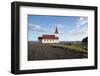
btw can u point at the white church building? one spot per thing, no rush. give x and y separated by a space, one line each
50 38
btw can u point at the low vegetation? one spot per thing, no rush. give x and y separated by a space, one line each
78 47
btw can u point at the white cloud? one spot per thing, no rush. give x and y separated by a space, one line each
82 21
80 31
34 27
81 18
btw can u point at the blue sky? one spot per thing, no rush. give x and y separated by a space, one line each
70 28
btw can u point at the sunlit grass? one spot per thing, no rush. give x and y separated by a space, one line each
78 47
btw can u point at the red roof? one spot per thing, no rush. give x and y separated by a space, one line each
48 37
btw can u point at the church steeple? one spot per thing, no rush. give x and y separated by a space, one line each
56 31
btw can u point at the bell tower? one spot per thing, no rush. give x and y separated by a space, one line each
56 32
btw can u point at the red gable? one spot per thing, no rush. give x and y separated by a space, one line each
48 37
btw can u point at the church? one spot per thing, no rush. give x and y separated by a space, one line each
50 38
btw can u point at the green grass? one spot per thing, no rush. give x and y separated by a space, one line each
78 47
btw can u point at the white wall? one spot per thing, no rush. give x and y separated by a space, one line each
49 41
5 40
